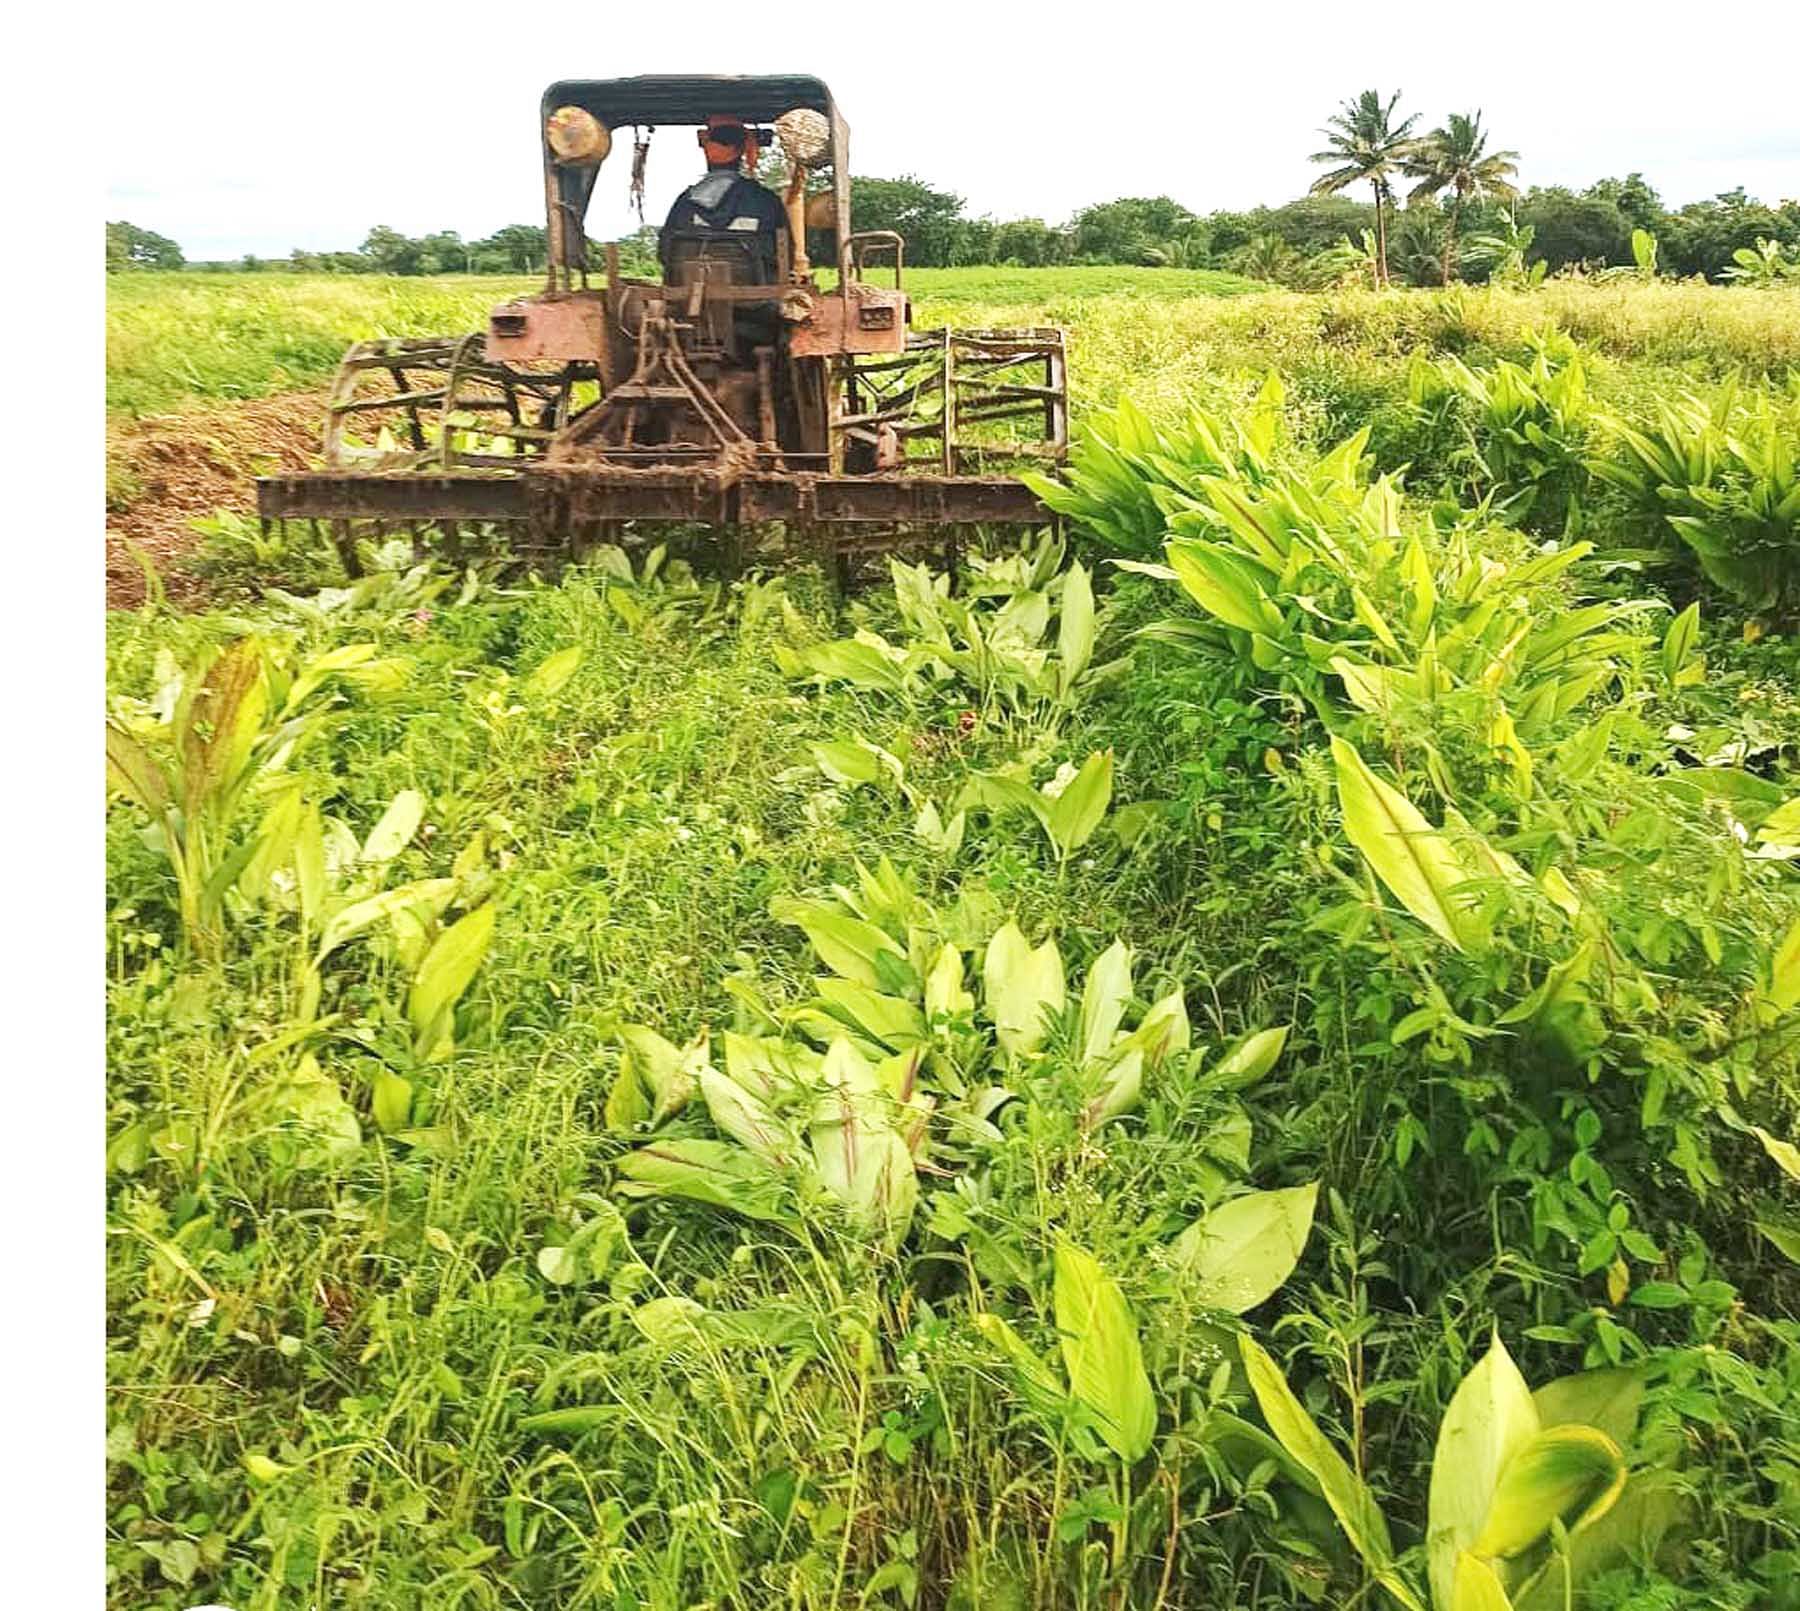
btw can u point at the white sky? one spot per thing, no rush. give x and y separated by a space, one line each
235 135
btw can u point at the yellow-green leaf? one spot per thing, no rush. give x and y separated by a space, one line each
1242 1251
1415 861
1021 985
1073 815
398 824
1785 1153
1564 1471
445 974
554 672
1490 1418
1349 1498
1101 1354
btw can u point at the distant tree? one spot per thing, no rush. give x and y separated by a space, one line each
1455 157
1705 236
1420 244
1567 228
1266 257
519 247
1029 242
129 247
1122 231
1638 204
390 252
929 221
1192 248
1368 147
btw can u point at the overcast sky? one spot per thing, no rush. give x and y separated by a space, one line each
234 135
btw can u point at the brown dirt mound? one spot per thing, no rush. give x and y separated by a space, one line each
167 470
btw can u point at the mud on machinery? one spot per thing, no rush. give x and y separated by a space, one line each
711 397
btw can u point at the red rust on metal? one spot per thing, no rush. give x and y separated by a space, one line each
568 326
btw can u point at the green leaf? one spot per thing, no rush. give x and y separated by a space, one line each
391 1101
1785 1153
444 975
1678 641
706 1172
352 920
1243 1250
668 1073
744 1116
131 769
1075 629
845 944
1414 860
1783 993
1101 1354
1022 985
1474 1586
1608 1399
554 672
1103 1000
1349 1498
398 824
1038 1384
1073 815
1490 1418
1563 1470
1249 1060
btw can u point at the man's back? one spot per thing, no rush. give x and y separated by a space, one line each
731 204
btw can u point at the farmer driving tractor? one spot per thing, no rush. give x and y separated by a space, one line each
727 204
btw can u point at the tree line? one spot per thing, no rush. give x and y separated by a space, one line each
1444 205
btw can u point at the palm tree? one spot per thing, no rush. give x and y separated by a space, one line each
1456 158
1367 145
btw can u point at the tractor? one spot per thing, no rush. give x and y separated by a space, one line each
724 393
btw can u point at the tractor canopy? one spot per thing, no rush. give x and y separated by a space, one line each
656 100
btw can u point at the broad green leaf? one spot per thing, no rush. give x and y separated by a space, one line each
351 920
1678 641
1570 1473
398 824
744 1116
1073 815
705 1172
1101 1354
309 867
1490 1418
1243 1250
1783 993
944 993
1608 1399
445 974
1785 1153
1414 860
1474 1586
626 1104
1782 825
391 1101
1075 630
892 1020
1021 986
217 724
1633 1530
554 672
274 843
1350 1500
1038 1383
1249 1060
131 769
1103 1000
666 1072
859 1156
847 762
845 944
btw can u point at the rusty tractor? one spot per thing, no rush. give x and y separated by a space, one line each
720 395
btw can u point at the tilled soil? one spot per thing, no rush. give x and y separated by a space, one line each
177 468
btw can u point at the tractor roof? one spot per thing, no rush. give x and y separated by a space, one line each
690 97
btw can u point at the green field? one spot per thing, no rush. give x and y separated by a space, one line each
658 1091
